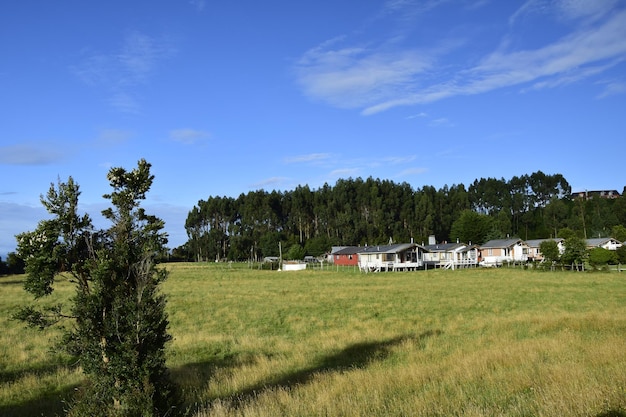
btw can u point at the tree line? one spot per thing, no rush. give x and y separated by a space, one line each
374 211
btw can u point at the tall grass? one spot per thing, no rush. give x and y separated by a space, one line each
339 343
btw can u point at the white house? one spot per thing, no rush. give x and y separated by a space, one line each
499 251
534 254
395 257
450 255
604 242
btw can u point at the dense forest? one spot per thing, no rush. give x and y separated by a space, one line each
375 211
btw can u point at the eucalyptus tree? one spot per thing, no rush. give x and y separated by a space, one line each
118 327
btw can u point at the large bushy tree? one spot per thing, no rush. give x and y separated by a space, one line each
550 250
119 329
575 251
472 227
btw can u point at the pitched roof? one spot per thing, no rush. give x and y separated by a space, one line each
501 243
596 242
348 250
535 243
399 247
443 247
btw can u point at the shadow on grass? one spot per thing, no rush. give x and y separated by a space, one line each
51 404
356 356
11 281
38 370
612 413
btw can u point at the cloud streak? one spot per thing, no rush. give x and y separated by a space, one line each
120 72
188 136
375 79
309 158
30 154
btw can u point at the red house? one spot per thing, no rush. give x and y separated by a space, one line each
346 256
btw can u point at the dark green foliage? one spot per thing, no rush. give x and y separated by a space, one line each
550 250
619 232
295 252
373 211
601 256
575 251
472 227
13 265
621 254
120 325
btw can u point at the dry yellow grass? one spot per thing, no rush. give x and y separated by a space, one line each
431 343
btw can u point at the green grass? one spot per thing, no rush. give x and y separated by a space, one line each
436 343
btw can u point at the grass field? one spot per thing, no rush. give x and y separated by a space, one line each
338 343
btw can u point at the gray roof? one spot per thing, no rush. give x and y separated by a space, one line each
600 241
443 247
396 248
535 243
501 243
348 250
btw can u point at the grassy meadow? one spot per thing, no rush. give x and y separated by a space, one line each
497 342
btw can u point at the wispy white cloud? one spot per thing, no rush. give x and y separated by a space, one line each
564 9
113 137
313 157
399 160
376 79
198 4
441 122
121 71
412 171
344 173
272 181
570 57
188 136
432 121
410 9
613 88
359 76
31 154
125 102
418 115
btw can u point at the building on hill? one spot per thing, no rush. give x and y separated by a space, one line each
587 195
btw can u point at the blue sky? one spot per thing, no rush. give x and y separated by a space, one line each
225 97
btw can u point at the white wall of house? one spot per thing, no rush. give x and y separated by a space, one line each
497 256
612 244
